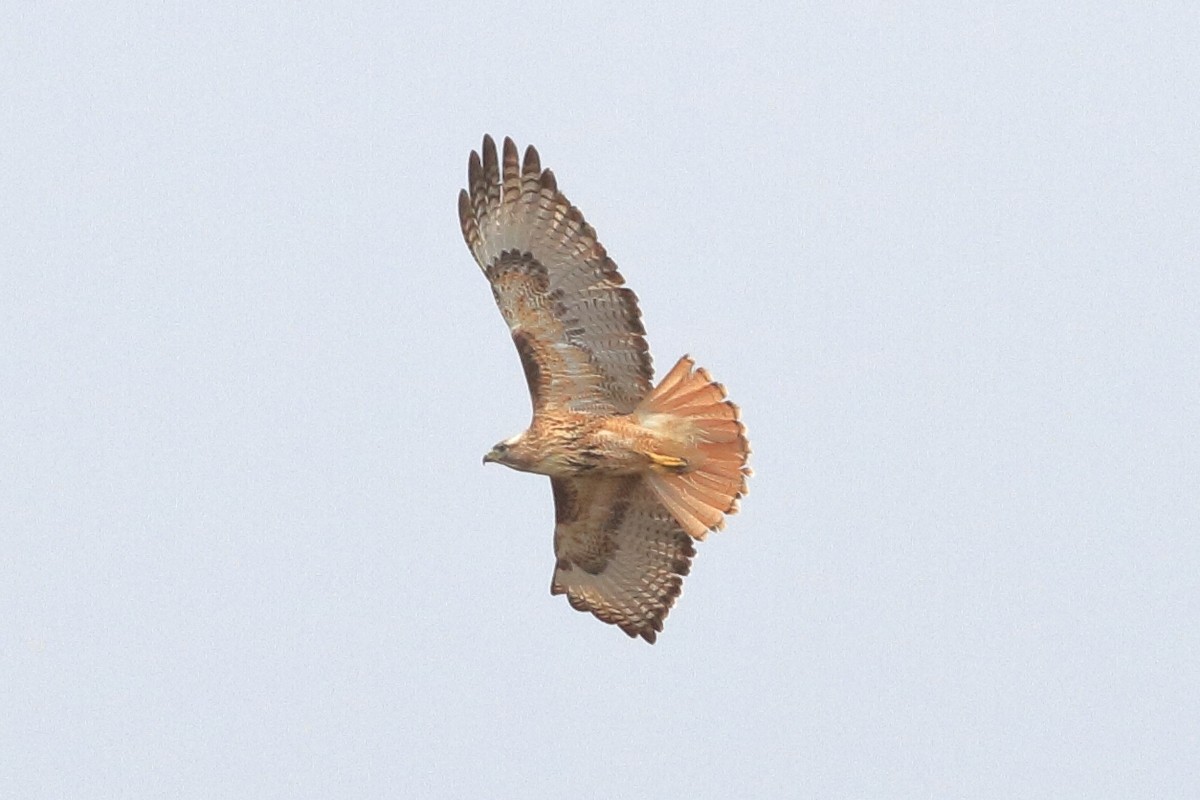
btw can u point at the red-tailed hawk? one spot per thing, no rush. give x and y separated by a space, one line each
637 472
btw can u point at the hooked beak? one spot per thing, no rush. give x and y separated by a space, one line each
491 458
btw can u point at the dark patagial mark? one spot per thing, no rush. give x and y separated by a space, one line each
529 363
566 501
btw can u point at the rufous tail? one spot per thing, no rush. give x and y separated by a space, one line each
704 472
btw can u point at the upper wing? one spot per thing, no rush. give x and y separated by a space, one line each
621 555
577 329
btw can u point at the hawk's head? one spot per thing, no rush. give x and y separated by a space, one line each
510 453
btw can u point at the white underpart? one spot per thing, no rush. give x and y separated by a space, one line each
655 422
669 425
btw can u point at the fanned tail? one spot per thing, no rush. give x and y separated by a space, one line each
700 482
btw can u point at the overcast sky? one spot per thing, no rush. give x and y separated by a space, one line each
946 261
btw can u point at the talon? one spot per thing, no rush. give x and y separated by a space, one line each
668 462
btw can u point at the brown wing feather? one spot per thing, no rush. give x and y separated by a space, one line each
580 328
621 555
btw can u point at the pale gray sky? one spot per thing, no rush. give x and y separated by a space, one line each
946 261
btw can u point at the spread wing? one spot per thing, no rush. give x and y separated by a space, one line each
577 329
621 555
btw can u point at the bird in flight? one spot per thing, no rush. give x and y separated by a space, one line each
637 471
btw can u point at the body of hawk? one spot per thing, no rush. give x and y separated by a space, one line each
638 472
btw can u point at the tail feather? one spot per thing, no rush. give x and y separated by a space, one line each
686 514
691 409
673 378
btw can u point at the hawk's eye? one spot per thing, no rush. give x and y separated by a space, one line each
502 448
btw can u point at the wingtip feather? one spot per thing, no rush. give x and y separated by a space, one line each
533 162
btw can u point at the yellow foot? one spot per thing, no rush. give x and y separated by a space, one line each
668 462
